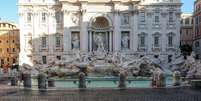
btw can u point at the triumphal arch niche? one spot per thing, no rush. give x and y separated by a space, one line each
100 33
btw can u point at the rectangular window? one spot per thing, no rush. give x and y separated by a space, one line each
156 41
44 17
44 42
187 21
13 49
142 41
2 61
142 16
156 19
8 50
170 41
14 61
29 17
44 59
58 41
171 17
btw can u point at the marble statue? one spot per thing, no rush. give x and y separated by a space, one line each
100 43
125 42
75 42
28 42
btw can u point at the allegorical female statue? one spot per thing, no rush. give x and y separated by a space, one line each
125 42
75 42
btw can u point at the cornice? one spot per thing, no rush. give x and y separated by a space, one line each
100 1
161 4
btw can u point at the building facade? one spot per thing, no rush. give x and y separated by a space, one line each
9 44
55 29
197 29
187 29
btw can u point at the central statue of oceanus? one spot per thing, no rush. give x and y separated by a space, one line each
99 43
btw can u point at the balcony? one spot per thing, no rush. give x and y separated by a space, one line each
156 48
44 48
58 49
142 48
171 48
171 25
156 26
142 25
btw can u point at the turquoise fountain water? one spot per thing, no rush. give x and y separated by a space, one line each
109 83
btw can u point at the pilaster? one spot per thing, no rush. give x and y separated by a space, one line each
84 28
67 32
117 33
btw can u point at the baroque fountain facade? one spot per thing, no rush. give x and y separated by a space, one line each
55 30
107 37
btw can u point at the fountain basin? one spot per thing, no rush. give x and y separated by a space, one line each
107 82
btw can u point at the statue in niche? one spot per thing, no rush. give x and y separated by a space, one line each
125 42
99 43
75 42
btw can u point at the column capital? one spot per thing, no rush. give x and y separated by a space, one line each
83 11
35 14
66 11
134 12
21 14
116 12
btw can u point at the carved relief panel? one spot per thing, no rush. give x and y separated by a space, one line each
75 18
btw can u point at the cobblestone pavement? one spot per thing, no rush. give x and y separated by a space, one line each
179 94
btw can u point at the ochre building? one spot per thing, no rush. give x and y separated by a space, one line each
9 44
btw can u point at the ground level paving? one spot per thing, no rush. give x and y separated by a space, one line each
169 94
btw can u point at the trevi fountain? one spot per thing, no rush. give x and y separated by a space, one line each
101 68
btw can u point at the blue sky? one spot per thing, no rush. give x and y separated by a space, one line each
9 11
